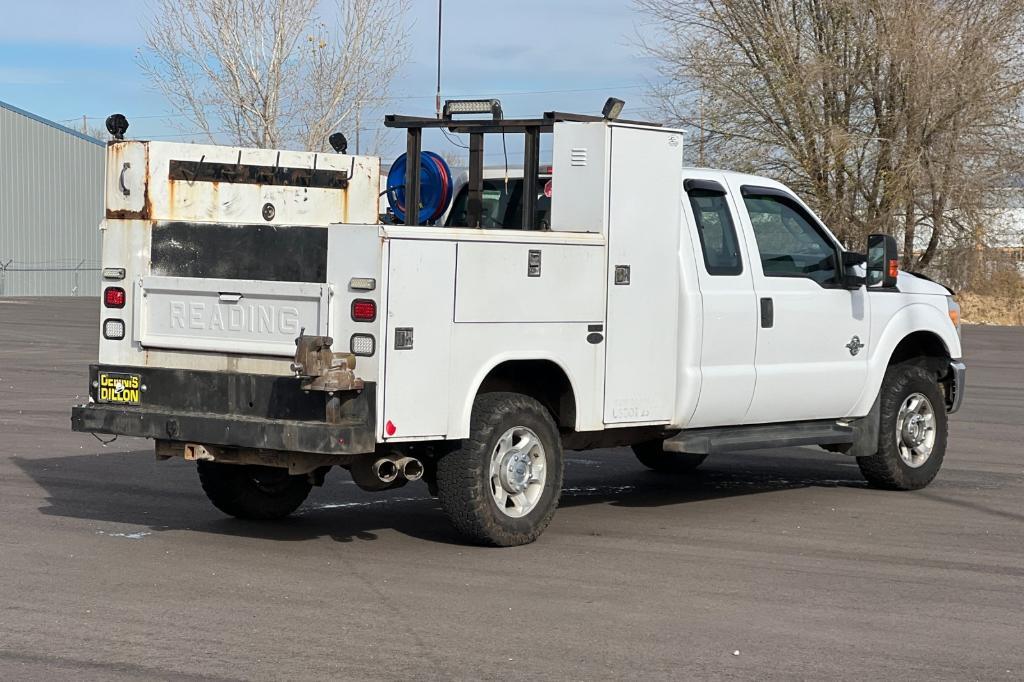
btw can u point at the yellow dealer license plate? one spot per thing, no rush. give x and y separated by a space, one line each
116 387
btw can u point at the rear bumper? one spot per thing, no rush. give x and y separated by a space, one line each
958 371
234 410
211 429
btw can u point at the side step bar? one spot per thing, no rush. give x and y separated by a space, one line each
731 438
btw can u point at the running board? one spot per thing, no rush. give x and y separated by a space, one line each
731 438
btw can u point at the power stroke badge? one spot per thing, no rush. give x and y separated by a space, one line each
855 345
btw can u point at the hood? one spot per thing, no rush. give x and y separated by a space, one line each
916 284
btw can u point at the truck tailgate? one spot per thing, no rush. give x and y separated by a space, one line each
229 315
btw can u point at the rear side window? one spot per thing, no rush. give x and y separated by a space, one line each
716 232
502 206
495 203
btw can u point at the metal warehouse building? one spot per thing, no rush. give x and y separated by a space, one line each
51 204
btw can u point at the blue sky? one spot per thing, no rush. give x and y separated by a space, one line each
64 58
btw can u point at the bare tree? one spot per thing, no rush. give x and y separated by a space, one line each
350 69
273 73
889 115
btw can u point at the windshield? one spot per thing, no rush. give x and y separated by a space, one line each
502 206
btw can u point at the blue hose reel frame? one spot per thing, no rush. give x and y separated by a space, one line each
436 187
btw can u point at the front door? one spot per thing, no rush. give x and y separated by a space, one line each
812 335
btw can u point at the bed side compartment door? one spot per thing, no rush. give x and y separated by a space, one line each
643 276
417 347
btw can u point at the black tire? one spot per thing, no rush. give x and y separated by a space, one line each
652 456
464 485
886 468
253 492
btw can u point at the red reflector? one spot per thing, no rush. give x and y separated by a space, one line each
894 268
114 297
364 310
390 428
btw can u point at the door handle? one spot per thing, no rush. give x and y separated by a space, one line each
120 180
767 313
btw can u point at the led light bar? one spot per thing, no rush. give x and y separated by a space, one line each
113 273
455 107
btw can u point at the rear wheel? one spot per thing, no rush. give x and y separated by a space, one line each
502 485
652 455
913 431
253 492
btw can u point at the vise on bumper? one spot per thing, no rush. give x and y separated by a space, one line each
321 369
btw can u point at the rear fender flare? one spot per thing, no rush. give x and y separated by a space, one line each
458 426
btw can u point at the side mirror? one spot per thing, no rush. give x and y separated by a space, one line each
851 259
883 264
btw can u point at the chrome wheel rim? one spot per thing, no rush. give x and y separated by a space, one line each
518 470
915 430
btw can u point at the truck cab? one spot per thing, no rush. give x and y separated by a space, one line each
261 320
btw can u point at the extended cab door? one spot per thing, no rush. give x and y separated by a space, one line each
729 305
811 358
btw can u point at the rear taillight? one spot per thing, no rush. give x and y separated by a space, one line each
113 330
114 297
364 310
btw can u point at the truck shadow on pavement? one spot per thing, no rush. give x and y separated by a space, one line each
133 490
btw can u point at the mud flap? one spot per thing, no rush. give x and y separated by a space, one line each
865 432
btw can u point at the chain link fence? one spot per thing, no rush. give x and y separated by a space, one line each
63 277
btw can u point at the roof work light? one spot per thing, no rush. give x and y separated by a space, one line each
454 107
117 125
612 108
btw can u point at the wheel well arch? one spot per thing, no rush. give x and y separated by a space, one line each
924 348
543 380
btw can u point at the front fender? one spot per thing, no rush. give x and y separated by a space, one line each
914 317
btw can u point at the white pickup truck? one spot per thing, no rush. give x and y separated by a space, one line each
260 319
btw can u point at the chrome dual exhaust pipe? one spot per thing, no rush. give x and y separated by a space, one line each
411 468
385 472
389 468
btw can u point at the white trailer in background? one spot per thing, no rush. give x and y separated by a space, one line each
259 318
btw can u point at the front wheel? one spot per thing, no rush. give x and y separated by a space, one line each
913 431
251 491
501 486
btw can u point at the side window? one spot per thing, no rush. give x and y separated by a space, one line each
494 204
501 206
716 231
789 242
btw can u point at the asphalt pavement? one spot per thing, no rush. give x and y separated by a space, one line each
778 564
